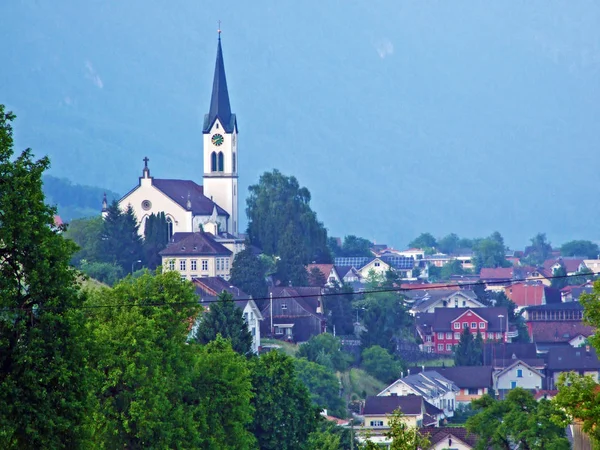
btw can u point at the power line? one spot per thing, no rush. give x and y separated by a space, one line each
420 287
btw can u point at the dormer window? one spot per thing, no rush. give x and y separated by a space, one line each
283 306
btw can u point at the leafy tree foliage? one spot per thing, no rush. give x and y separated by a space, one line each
469 351
44 381
453 267
330 436
490 252
225 319
380 363
248 273
539 250
121 243
580 396
323 386
156 238
402 436
155 390
518 421
325 349
424 241
339 308
86 234
581 277
316 277
559 279
284 415
106 273
352 246
282 223
448 244
581 248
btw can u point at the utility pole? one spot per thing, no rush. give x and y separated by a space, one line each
271 301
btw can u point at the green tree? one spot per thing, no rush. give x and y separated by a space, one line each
518 421
380 363
44 379
248 273
330 436
581 277
156 390
448 244
514 317
539 250
453 267
316 277
469 351
323 385
156 238
424 241
278 203
559 279
356 246
106 273
86 234
338 305
581 248
284 415
225 319
490 252
121 243
402 435
291 265
325 349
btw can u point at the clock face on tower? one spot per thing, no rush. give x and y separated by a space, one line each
217 139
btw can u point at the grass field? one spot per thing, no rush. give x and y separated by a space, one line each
286 347
358 384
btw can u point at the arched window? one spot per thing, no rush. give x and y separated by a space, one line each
233 163
170 227
213 162
221 164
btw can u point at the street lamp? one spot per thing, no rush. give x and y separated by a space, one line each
133 265
501 316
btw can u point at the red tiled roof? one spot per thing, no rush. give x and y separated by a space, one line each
543 393
558 331
570 264
325 269
497 274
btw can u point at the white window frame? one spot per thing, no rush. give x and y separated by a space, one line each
182 264
204 265
473 325
481 325
448 335
457 325
456 336
440 335
440 347
448 347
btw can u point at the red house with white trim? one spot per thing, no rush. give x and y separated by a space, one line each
441 329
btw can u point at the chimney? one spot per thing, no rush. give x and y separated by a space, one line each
408 371
587 350
423 367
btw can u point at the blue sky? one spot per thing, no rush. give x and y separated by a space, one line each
399 116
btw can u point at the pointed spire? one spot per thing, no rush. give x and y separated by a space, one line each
219 101
104 203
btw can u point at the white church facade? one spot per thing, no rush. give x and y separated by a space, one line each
188 206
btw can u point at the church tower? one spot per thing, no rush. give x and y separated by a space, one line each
220 148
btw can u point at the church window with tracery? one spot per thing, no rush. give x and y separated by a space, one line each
221 163
170 227
213 162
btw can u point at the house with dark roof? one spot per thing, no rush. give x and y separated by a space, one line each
209 288
293 313
431 385
428 300
187 205
581 360
440 330
450 438
472 381
417 412
197 255
519 374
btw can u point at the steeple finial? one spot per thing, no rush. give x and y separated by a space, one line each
146 171
104 203
219 30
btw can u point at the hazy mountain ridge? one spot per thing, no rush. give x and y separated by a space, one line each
399 118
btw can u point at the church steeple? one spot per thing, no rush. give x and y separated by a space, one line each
220 107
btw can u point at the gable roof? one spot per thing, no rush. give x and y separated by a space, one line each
410 405
558 331
425 383
497 274
220 107
439 434
570 358
325 269
180 190
441 319
463 376
308 297
425 299
194 244
516 363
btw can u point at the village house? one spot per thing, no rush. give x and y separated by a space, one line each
440 330
293 313
208 289
455 438
330 274
581 360
517 375
532 294
417 412
197 255
433 387
428 300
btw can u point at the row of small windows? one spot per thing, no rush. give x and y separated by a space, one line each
217 162
466 325
222 264
440 335
193 264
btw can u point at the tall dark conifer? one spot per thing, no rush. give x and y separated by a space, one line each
121 242
156 237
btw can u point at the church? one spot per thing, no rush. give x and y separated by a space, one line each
188 206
